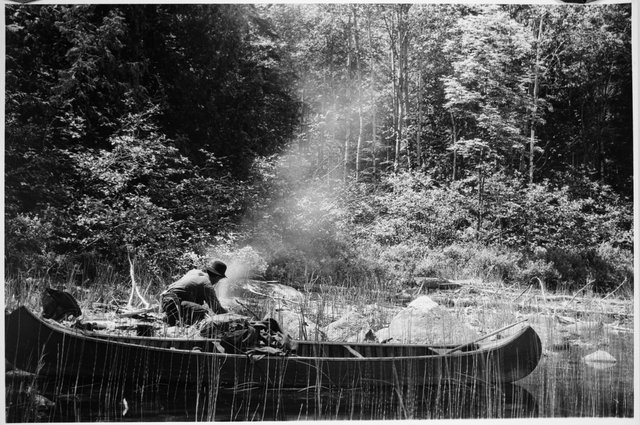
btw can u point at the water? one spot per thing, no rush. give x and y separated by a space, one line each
448 401
567 386
563 385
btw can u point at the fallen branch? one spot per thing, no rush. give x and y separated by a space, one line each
151 309
619 286
134 288
522 293
544 297
590 282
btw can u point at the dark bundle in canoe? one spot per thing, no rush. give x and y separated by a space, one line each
59 305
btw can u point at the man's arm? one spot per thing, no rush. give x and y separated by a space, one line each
212 300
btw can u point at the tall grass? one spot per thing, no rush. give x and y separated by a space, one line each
108 287
486 307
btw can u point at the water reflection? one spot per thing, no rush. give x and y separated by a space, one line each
449 400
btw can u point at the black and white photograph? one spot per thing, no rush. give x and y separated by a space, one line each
320 211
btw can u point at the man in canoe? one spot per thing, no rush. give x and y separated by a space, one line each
183 300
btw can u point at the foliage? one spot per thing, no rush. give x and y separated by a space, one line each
175 133
123 138
487 89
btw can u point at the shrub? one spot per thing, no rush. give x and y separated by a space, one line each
541 269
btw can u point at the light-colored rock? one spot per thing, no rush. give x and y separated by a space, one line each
253 296
600 360
248 289
351 327
425 322
383 335
290 322
423 304
296 325
600 356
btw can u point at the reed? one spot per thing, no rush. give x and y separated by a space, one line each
561 386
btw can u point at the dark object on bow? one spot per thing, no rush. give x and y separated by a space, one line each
59 305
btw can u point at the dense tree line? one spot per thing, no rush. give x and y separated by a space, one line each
504 126
415 135
528 89
135 127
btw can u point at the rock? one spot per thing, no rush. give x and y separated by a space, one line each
383 335
290 322
351 327
246 288
423 303
296 325
600 360
600 357
425 322
257 295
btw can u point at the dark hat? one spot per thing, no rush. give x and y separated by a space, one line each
217 268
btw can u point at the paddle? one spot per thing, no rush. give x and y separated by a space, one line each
484 337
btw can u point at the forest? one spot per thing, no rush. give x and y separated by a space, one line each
343 144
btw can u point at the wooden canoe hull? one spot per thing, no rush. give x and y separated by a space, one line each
75 356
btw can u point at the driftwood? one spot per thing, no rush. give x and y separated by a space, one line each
134 286
130 313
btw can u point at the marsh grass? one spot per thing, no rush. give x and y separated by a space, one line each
109 287
561 386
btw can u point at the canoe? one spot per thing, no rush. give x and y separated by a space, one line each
75 356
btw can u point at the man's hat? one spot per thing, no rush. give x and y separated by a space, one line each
217 268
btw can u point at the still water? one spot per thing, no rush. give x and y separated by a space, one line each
563 385
567 386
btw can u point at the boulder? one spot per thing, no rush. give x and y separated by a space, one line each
351 327
296 325
600 360
600 357
238 295
425 322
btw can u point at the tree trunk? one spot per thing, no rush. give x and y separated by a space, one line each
321 142
401 53
419 129
480 195
359 71
372 91
454 140
350 89
396 107
536 88
405 75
